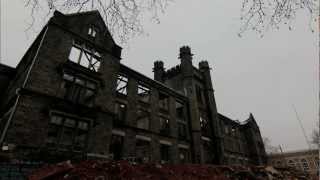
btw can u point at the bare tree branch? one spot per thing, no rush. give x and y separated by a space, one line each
123 17
260 15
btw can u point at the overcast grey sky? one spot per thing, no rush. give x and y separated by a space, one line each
264 76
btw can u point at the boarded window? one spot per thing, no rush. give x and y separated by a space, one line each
85 55
122 84
143 93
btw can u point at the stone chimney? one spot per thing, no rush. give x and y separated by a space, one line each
158 71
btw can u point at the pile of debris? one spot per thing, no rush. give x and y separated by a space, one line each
120 170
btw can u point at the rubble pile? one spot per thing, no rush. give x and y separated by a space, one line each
120 170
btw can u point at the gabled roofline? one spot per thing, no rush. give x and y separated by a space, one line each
94 12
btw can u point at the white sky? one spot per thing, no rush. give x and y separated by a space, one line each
264 76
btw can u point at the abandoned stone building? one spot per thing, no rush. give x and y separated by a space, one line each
70 97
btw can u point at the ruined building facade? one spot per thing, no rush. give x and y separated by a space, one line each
71 98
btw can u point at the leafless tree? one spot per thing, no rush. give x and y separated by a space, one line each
124 17
269 147
260 15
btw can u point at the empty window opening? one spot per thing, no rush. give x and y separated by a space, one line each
92 31
143 151
85 56
79 90
180 111
143 119
204 126
67 132
164 125
143 93
165 153
116 146
208 149
122 84
121 112
163 101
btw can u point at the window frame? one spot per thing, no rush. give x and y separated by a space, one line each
144 89
122 84
78 87
86 51
120 110
92 31
143 115
62 127
164 127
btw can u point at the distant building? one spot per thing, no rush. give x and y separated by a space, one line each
303 160
71 98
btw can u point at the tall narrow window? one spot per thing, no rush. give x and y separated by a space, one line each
164 126
180 111
183 155
143 119
164 152
208 156
204 126
121 112
116 147
199 94
163 101
81 135
182 123
92 31
143 151
122 84
79 89
143 93
182 130
85 55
